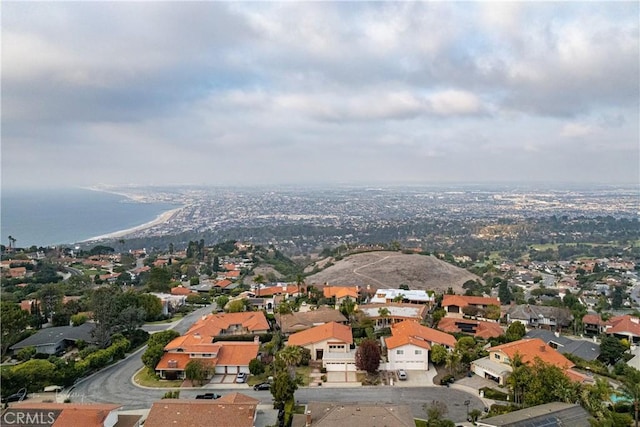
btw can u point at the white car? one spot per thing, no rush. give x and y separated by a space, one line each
402 374
241 377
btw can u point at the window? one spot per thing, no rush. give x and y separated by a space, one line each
418 352
399 351
496 356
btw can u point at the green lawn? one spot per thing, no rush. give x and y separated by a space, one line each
144 378
304 372
420 423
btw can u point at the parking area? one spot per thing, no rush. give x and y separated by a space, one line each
414 378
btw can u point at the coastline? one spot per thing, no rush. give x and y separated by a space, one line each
160 219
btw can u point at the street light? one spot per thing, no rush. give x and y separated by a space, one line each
467 403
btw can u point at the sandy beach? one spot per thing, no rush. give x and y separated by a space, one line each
160 219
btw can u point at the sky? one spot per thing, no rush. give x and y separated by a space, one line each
245 93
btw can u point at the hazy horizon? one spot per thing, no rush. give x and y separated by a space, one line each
320 93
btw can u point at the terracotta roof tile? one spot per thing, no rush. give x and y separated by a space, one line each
235 353
623 325
195 413
321 333
410 328
74 414
482 329
529 349
463 300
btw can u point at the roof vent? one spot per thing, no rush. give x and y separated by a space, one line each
172 363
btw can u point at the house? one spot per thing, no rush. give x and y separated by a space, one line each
298 321
454 304
331 414
540 316
341 293
497 366
386 315
181 291
234 410
409 344
68 414
624 327
549 414
383 296
170 303
54 340
222 357
203 341
584 349
18 272
477 328
330 343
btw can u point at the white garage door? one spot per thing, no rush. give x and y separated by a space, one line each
339 367
232 369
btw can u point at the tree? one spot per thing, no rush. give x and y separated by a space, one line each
159 280
290 356
368 356
611 349
50 297
436 410
492 312
631 389
151 305
221 301
256 367
106 310
618 297
155 350
348 307
437 315
131 318
236 306
438 354
197 370
283 388
515 331
453 361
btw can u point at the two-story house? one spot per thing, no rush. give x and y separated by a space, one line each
625 326
455 304
409 344
385 315
539 316
331 343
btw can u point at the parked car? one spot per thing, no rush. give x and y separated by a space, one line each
16 397
402 374
241 377
208 396
262 386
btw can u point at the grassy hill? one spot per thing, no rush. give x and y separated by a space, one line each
387 269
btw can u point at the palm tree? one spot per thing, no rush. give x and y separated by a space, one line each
384 313
453 361
290 356
631 389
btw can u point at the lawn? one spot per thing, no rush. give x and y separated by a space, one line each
144 378
304 372
420 423
178 316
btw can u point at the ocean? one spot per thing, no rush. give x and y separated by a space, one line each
53 217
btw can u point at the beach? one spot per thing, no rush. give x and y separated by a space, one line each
160 219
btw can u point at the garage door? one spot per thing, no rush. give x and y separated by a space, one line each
339 367
232 369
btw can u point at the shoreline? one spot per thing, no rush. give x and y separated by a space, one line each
160 219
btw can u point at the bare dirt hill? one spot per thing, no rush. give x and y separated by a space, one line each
387 269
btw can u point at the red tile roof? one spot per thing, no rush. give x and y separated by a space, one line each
331 330
340 291
181 290
592 319
483 329
73 414
463 301
200 413
410 328
623 325
530 349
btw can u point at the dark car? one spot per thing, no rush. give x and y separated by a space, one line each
16 397
262 386
208 396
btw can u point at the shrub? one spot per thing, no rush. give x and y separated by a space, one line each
78 319
256 367
323 378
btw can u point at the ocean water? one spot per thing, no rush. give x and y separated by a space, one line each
44 218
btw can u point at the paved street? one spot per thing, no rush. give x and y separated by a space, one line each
114 385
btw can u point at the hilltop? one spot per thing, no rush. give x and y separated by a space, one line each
387 269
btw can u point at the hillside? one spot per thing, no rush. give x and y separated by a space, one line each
391 269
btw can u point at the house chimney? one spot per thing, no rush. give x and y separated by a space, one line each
256 339
308 423
543 348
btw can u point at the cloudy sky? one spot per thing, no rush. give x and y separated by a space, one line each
325 92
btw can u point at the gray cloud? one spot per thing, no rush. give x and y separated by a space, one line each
215 92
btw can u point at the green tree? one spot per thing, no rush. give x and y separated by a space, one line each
197 370
155 348
159 280
515 331
13 321
106 310
631 389
438 354
256 367
26 353
236 306
283 388
436 411
35 374
348 307
131 318
50 297
437 315
221 301
368 356
611 349
492 312
78 319
290 356
151 305
452 361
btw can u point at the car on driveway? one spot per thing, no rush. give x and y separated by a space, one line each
402 374
19 396
241 377
262 386
208 396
